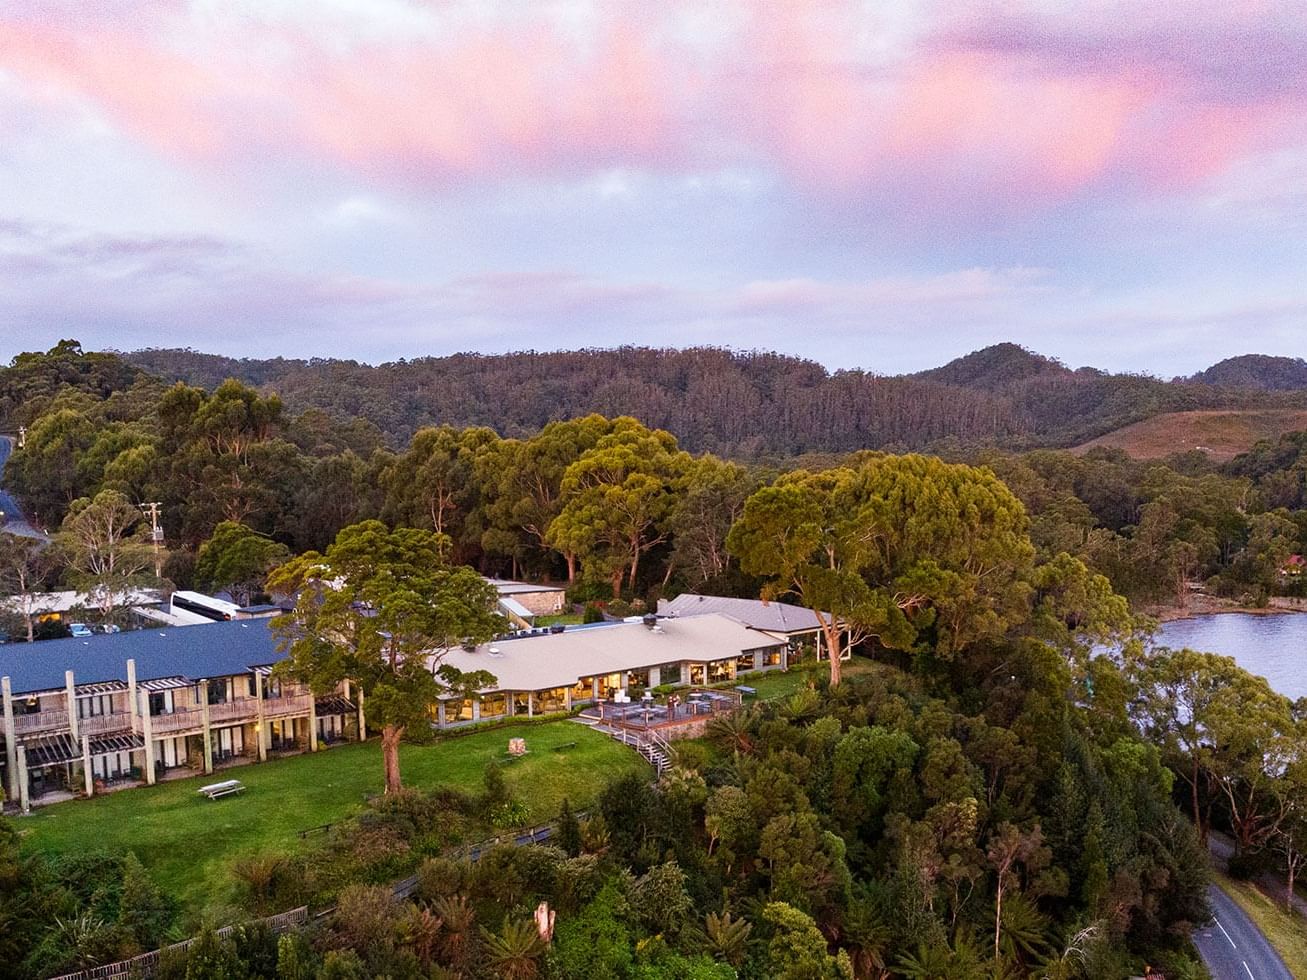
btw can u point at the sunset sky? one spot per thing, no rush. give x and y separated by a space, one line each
881 185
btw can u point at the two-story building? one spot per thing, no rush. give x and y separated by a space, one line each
84 716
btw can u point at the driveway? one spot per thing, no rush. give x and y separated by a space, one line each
1233 948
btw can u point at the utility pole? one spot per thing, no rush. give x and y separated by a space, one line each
156 535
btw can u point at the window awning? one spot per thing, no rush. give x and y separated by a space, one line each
51 750
334 705
165 684
98 688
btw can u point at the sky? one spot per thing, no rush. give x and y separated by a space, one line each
881 185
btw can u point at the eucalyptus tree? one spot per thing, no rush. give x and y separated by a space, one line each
906 549
616 501
382 608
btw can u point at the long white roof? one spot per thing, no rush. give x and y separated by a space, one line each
537 663
775 617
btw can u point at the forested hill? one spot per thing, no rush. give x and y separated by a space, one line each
734 403
1257 371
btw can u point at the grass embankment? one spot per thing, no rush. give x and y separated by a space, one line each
780 684
189 843
1285 930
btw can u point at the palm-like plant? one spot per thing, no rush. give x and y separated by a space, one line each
733 732
457 919
727 938
1025 928
87 938
514 952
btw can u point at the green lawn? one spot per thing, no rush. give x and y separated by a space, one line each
774 684
189 842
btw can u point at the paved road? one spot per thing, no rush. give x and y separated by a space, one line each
1233 948
16 523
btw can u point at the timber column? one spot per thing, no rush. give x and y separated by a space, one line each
87 774
11 740
147 732
208 732
313 721
261 724
363 723
70 689
23 800
132 704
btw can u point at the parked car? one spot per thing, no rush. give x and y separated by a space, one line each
80 629
108 628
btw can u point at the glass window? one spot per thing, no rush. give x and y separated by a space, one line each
554 699
744 661
494 706
721 670
583 690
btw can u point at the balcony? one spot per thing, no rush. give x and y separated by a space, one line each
105 724
242 710
176 721
295 704
41 721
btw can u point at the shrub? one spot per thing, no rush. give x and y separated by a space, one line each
514 813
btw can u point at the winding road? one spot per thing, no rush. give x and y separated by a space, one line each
1233 947
15 522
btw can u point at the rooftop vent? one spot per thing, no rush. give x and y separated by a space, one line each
650 621
557 628
494 652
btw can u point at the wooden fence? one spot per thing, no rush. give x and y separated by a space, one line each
145 964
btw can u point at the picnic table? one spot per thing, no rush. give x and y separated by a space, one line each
226 788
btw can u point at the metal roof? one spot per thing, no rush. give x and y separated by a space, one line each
212 650
537 663
773 617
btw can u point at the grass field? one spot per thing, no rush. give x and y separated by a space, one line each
1286 930
189 843
1222 434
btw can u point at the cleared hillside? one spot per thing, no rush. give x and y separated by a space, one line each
1221 434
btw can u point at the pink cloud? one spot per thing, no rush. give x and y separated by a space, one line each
996 111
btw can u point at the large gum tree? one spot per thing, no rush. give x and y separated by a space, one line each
382 608
911 550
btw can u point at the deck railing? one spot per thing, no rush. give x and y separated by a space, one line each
120 721
292 704
176 721
244 709
41 721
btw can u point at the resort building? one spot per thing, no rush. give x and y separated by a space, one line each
540 674
794 624
521 602
84 716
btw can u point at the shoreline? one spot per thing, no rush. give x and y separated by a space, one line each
1215 607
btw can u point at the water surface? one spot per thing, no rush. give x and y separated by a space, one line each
1274 646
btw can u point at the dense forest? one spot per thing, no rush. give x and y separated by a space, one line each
989 795
740 405
612 505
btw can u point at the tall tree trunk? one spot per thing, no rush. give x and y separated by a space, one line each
31 628
571 567
1193 799
617 582
635 564
831 634
390 736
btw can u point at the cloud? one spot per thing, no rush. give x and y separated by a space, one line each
1018 109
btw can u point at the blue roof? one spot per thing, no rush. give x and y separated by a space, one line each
210 650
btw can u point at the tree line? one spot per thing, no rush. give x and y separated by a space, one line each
743 405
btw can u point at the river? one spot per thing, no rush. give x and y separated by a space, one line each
1274 646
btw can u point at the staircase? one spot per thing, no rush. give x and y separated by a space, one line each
656 749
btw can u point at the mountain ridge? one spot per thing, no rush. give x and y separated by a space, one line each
739 403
